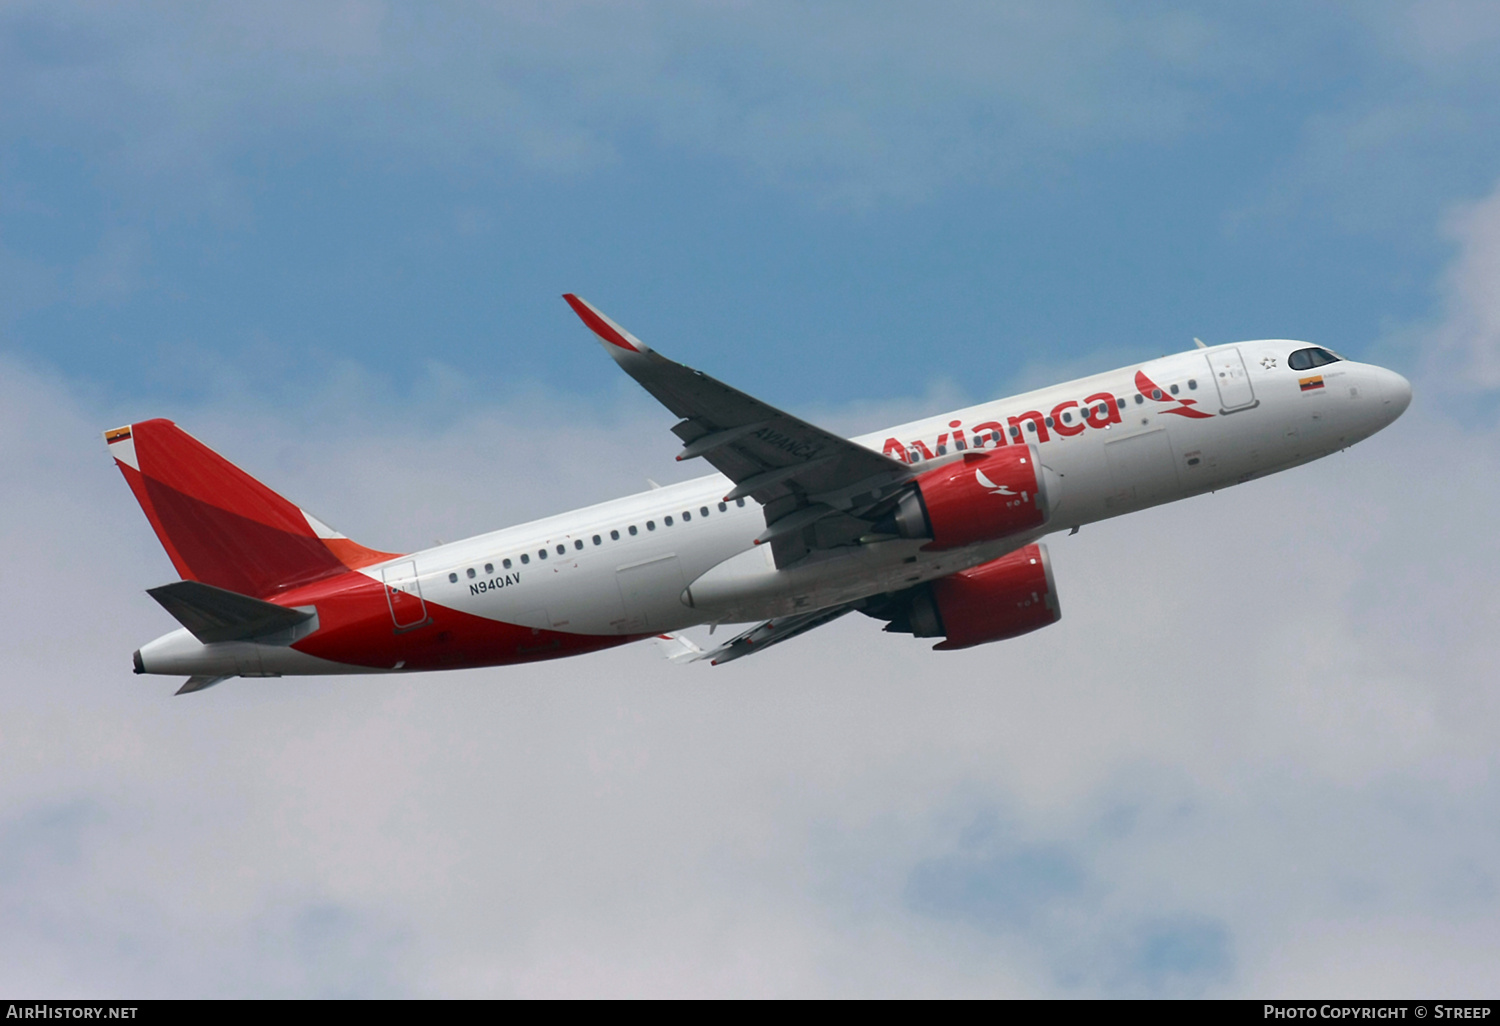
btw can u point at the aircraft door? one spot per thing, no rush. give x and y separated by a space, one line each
404 595
1228 369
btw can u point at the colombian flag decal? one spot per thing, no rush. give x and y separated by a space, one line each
117 435
1311 384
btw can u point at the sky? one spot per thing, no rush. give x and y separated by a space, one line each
1257 755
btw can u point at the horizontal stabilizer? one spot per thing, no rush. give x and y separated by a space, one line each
213 614
678 648
199 683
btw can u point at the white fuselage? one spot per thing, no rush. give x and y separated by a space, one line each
635 584
677 556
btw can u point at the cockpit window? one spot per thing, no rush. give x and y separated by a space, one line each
1307 359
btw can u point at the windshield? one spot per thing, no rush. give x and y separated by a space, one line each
1307 359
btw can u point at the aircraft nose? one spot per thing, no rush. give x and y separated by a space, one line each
1395 393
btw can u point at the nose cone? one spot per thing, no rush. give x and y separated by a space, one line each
1395 393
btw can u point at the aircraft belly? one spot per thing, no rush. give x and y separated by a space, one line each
749 587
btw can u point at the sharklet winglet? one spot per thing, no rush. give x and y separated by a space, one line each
608 331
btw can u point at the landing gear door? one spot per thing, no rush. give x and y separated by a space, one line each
404 595
650 592
1228 369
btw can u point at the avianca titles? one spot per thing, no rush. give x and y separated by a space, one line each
933 527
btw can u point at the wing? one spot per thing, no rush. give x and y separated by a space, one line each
772 632
818 490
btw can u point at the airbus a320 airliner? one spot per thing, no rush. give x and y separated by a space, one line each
933 527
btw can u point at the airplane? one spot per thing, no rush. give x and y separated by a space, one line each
933 526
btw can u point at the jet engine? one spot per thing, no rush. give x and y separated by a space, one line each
1005 598
986 495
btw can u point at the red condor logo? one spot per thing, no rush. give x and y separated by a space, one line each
992 487
1151 390
1066 419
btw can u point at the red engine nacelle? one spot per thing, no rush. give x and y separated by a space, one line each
1006 598
986 495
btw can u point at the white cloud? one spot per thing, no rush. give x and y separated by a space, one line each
1265 724
1466 341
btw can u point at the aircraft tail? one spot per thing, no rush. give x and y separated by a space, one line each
218 524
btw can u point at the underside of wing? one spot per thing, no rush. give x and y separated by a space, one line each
772 632
200 683
819 490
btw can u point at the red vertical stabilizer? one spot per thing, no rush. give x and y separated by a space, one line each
218 524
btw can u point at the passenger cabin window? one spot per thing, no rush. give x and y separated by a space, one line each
614 536
667 521
651 525
470 573
541 553
598 540
686 516
1173 389
1192 384
633 531
489 568
739 502
506 564
703 510
723 506
525 557
578 543
561 549
1307 359
453 578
